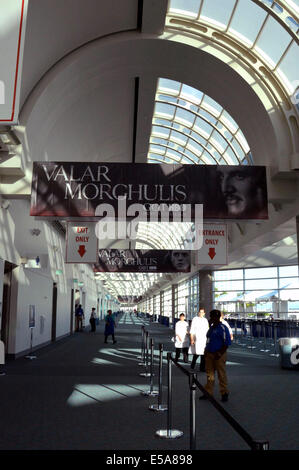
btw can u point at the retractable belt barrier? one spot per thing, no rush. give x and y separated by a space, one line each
263 335
146 363
170 433
142 355
151 392
159 406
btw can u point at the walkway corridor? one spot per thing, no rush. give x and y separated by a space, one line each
82 394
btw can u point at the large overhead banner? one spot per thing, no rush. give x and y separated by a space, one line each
143 261
68 189
12 31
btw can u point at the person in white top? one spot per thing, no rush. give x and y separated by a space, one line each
228 326
198 336
182 340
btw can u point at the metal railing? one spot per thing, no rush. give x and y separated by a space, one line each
169 432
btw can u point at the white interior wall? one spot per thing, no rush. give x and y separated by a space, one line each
34 286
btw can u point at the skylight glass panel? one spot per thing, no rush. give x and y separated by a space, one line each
226 134
184 116
203 127
217 12
167 98
193 108
231 157
165 109
277 8
216 155
293 3
162 122
173 154
238 149
229 122
153 156
194 139
219 139
242 140
188 8
194 147
156 140
176 136
247 21
161 131
207 158
198 137
212 105
157 149
272 42
191 155
183 103
208 116
293 24
191 94
169 86
288 68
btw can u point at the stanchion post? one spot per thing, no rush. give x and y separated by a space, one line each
31 356
151 392
275 342
2 357
243 330
236 329
264 334
146 373
142 343
142 363
192 412
169 433
251 336
159 406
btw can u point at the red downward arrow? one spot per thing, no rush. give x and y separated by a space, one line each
81 250
212 253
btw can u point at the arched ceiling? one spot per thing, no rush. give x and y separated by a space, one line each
190 127
197 81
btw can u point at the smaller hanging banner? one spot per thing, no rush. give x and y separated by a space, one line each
149 261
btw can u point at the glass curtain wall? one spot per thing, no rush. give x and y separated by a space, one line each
258 292
193 298
157 305
182 303
167 308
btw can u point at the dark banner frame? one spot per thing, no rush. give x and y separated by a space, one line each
143 261
75 189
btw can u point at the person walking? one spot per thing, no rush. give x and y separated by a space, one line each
218 340
79 316
181 338
109 326
92 320
198 338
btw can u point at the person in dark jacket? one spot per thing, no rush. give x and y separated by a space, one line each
79 315
92 320
109 327
218 340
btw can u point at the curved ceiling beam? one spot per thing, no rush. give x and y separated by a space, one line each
90 70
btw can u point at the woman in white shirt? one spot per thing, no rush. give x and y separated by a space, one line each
181 338
198 335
